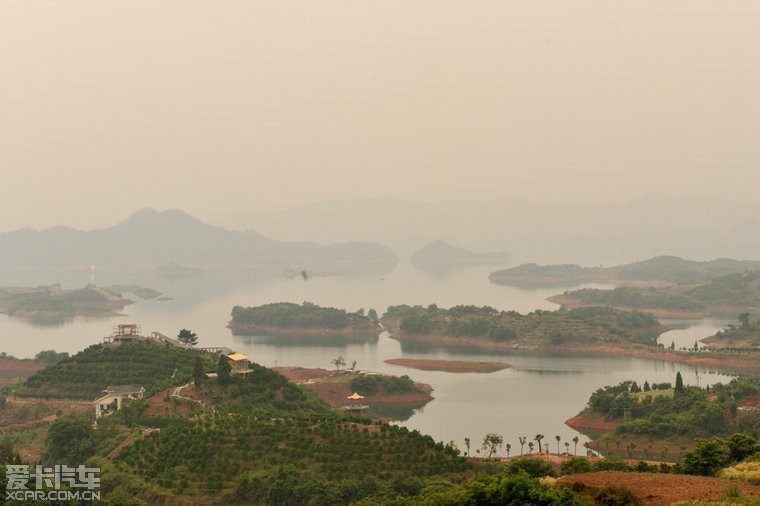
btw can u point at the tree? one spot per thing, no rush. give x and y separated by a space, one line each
522 440
338 362
198 371
647 388
708 456
742 446
224 371
567 447
575 441
492 442
679 382
530 447
372 315
467 445
538 438
353 365
187 337
71 440
507 447
744 320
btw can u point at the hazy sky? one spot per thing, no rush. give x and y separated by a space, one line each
219 106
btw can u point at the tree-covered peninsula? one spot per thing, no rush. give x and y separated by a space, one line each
729 294
488 328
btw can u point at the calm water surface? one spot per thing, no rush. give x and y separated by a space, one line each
535 396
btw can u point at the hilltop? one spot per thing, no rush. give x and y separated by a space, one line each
150 237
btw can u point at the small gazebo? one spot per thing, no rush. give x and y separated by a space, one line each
353 403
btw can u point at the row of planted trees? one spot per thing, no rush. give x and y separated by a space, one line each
492 443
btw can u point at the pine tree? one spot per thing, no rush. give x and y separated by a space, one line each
187 337
224 371
679 382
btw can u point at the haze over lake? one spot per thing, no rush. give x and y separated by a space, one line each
536 395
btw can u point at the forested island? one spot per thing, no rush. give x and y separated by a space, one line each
307 319
730 294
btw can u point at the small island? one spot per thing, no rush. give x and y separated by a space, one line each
307 319
450 365
49 302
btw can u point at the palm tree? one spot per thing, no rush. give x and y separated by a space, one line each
557 438
567 447
522 440
575 440
538 438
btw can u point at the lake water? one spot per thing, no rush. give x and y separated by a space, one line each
534 396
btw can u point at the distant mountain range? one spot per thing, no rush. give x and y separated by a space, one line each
662 270
149 237
693 227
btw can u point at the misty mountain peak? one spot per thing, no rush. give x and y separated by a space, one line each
149 217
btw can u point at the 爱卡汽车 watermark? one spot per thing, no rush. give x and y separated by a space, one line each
57 483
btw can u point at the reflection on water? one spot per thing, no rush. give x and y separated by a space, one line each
306 341
397 412
534 396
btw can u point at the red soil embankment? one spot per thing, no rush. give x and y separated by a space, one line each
591 422
662 489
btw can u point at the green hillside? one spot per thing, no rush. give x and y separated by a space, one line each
85 375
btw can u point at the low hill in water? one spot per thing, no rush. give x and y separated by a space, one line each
53 302
441 252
